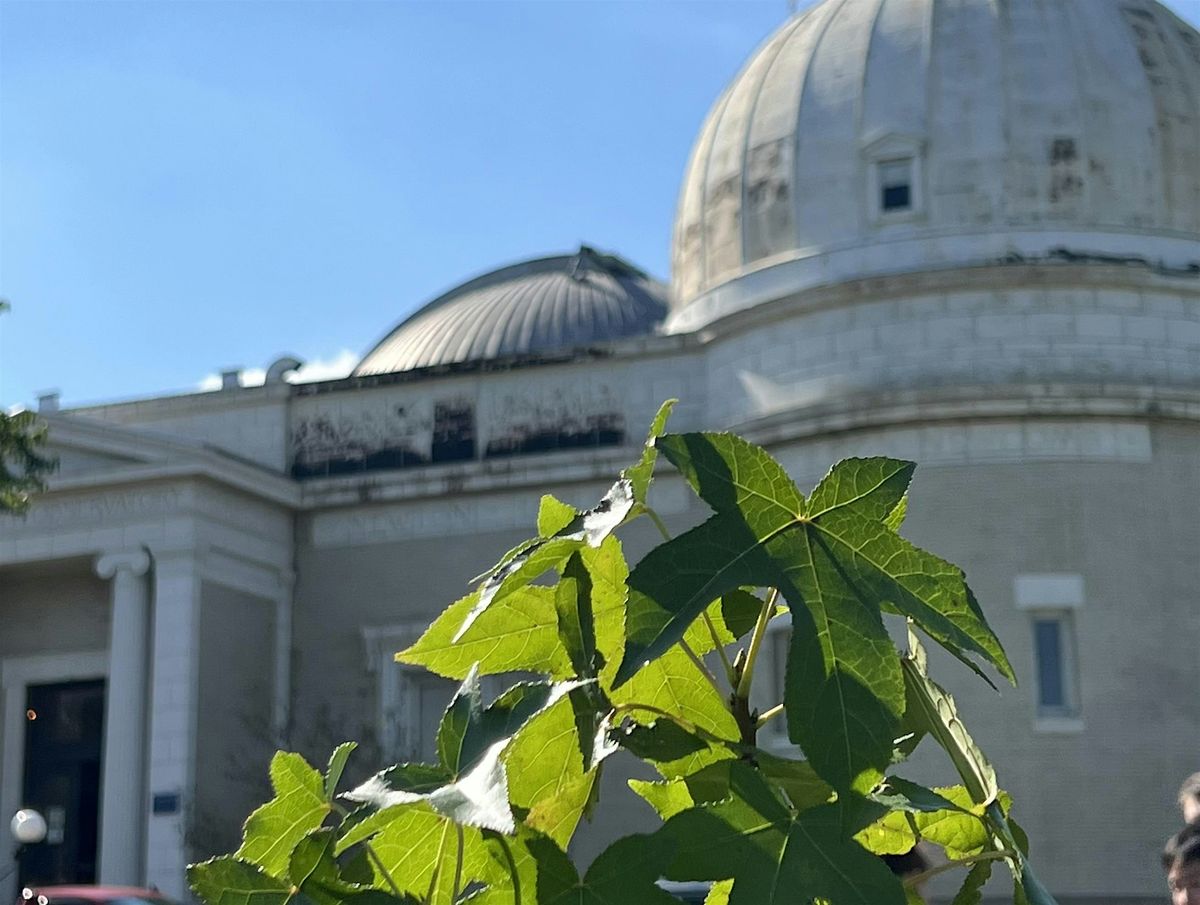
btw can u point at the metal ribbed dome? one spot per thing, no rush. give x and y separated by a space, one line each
534 307
1020 126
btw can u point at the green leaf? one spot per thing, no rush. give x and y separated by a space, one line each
465 709
958 827
836 564
932 710
609 573
417 847
559 814
337 764
547 773
674 684
719 892
774 855
796 779
667 797
1031 888
733 616
971 892
914 583
844 682
895 519
471 742
476 798
873 488
576 626
589 528
898 794
315 872
640 474
545 756
231 881
518 633
472 729
299 806
660 741
554 515
705 786
625 872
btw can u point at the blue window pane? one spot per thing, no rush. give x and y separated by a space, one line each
1047 639
896 197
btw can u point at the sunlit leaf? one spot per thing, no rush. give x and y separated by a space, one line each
298 807
518 633
318 877
932 710
588 528
232 881
337 764
640 474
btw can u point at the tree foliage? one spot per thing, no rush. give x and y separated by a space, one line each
659 661
23 465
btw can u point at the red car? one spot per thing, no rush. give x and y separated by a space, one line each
92 895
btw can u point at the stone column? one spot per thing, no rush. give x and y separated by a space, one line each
123 785
173 699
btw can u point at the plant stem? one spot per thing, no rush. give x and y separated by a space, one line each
700 665
760 630
458 863
720 649
658 523
678 720
917 879
769 715
512 866
378 862
437 864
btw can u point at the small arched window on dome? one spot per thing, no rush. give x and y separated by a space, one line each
894 178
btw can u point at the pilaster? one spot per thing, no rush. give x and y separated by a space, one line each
123 787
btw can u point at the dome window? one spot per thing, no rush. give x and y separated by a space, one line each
895 185
893 171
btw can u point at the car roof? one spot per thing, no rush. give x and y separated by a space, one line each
97 893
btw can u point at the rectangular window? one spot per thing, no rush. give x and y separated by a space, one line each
1054 655
895 185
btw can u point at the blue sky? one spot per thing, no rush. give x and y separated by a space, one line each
189 186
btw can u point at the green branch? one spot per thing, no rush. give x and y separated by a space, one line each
915 880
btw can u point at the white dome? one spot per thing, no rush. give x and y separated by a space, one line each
1006 128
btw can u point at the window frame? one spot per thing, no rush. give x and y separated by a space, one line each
887 150
1059 598
395 683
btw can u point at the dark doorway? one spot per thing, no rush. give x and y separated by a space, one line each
64 733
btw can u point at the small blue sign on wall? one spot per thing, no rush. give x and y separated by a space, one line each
165 803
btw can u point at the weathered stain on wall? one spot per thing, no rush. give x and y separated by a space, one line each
339 439
337 435
559 415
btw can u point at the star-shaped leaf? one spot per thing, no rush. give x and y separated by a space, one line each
232 881
471 741
774 855
836 563
526 563
417 848
299 806
517 633
317 876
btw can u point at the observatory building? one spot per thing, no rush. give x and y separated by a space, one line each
963 232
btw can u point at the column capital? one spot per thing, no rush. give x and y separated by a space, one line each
136 562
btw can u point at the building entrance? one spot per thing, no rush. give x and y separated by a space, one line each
64 737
